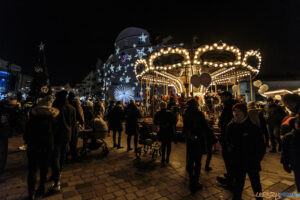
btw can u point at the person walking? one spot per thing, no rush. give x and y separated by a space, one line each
117 117
66 120
39 136
132 114
166 121
195 129
246 147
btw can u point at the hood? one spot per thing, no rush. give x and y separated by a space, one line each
43 110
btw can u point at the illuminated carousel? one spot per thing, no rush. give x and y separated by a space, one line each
194 71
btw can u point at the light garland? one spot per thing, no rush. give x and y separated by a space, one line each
222 75
219 47
169 50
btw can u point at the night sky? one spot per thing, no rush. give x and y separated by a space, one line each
76 34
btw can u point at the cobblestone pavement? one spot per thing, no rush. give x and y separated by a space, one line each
121 176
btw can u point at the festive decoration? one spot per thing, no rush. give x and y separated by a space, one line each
257 83
205 79
143 38
264 87
278 97
235 88
196 81
123 93
140 53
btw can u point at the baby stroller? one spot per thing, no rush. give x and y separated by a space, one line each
97 135
148 142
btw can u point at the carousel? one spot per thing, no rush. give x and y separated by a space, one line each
196 71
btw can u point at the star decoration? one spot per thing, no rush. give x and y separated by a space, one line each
129 57
117 50
132 64
140 53
121 79
41 46
136 83
127 79
112 68
143 38
134 45
150 49
133 88
119 68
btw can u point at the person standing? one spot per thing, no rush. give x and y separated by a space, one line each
132 114
246 147
166 121
274 117
225 118
117 118
195 129
75 102
66 120
291 151
39 137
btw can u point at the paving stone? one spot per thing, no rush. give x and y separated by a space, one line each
130 196
69 194
108 196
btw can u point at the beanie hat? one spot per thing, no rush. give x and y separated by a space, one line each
241 106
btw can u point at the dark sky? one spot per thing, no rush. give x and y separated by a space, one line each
76 34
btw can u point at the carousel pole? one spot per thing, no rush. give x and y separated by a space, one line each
216 88
251 92
226 86
141 95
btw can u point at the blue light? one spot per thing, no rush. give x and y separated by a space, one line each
4 73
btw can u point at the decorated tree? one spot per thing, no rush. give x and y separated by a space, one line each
40 85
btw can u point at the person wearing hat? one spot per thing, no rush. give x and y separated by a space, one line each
39 136
225 117
66 120
166 121
195 129
246 147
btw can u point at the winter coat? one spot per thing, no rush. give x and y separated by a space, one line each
166 121
195 128
89 117
41 128
100 128
226 117
109 116
66 121
117 117
274 114
79 111
245 144
254 116
291 149
132 114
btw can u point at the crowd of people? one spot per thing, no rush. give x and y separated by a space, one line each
51 128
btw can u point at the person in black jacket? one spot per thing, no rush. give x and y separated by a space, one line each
66 120
246 147
195 129
166 121
291 151
132 114
225 118
73 101
39 137
117 117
